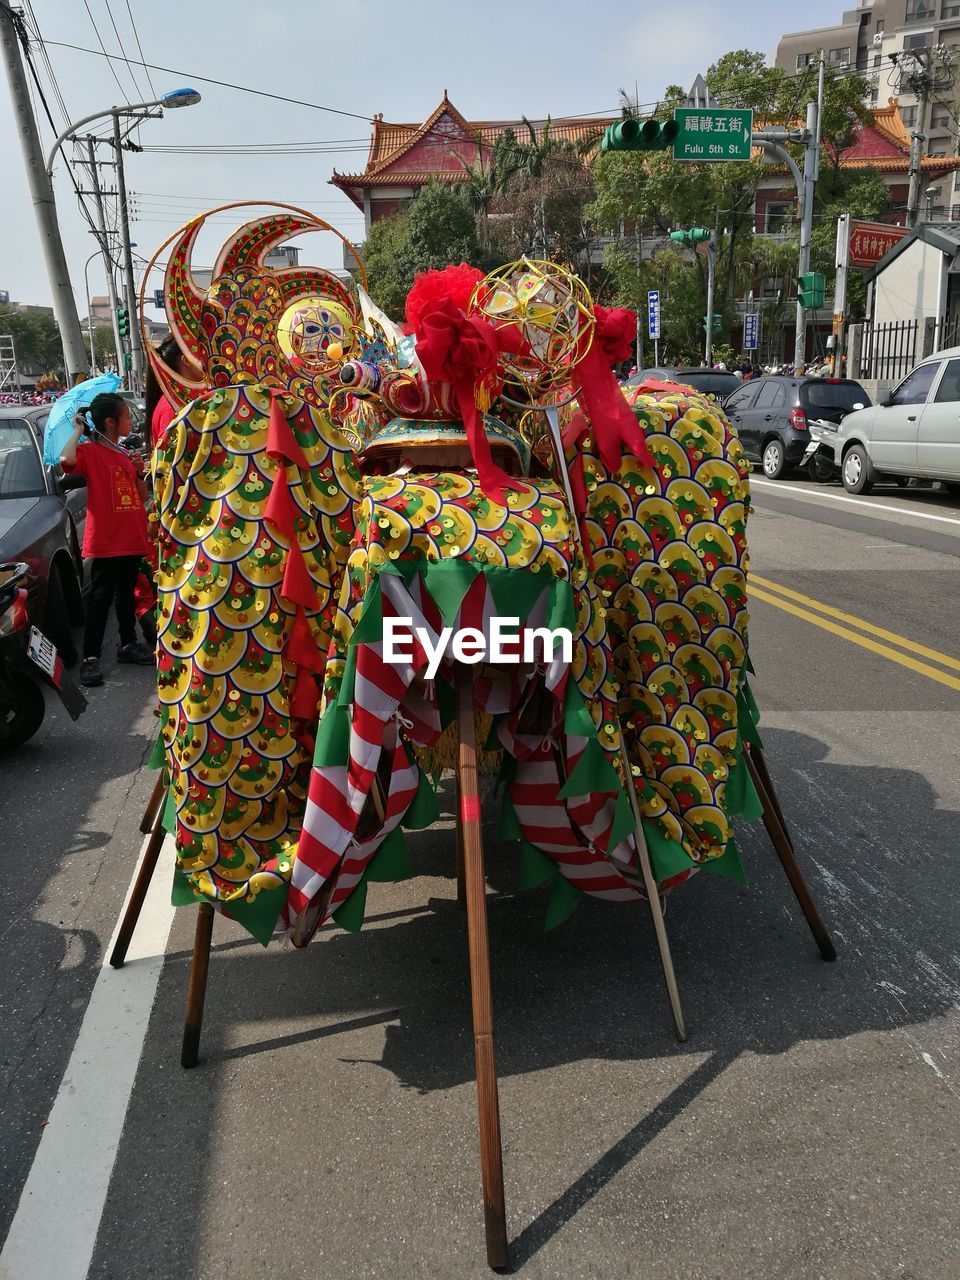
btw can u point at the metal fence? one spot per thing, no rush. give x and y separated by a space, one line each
890 350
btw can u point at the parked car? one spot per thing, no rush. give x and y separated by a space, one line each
42 514
712 382
913 433
772 416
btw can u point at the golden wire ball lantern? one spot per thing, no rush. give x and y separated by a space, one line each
551 312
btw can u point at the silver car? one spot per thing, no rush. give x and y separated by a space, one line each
914 432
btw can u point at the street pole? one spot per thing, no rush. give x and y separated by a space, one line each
104 242
917 139
711 274
842 263
811 165
639 240
136 350
41 191
86 285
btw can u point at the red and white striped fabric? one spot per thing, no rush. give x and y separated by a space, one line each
392 697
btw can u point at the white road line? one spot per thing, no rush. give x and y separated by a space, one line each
865 506
58 1217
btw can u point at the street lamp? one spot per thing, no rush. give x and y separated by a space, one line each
931 193
185 97
86 284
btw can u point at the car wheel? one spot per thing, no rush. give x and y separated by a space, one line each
952 486
774 460
857 472
900 481
22 707
822 470
56 619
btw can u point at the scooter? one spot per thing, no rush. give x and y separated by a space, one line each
28 660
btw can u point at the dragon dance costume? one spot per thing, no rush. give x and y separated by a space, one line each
330 473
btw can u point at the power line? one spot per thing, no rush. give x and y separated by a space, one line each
223 84
136 86
136 36
103 47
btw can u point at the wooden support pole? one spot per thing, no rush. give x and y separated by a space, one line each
468 818
142 884
197 987
776 830
461 886
154 805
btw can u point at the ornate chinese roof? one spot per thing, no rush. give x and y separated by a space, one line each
410 155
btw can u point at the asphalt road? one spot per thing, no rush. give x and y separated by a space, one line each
808 1127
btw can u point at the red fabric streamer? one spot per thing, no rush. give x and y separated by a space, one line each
463 351
615 429
281 442
455 283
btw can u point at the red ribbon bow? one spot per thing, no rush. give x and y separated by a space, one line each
616 431
463 351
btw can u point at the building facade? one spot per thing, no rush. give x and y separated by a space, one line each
870 39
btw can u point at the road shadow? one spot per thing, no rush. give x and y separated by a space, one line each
748 969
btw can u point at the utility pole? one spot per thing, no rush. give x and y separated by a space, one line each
711 277
917 138
104 242
842 264
811 169
639 240
136 349
41 191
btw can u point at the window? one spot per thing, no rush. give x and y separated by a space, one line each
915 386
877 59
742 399
836 56
919 41
949 388
804 60
919 11
937 150
909 116
772 395
949 10
21 475
879 26
777 216
940 119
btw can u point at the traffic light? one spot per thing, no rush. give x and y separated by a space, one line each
810 289
123 321
695 235
127 360
639 135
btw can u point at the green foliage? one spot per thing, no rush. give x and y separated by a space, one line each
36 338
662 194
438 228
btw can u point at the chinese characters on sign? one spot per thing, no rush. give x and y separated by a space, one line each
712 133
653 314
751 330
870 241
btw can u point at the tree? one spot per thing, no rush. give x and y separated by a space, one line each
35 337
103 347
653 191
438 227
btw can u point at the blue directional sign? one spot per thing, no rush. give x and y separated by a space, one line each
653 314
751 330
158 299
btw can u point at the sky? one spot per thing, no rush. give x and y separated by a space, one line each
497 60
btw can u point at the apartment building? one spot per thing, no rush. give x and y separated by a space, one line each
869 40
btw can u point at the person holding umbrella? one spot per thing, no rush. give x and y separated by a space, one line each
115 534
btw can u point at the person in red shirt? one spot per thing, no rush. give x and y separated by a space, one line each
160 412
115 535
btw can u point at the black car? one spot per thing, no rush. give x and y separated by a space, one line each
712 382
772 414
42 513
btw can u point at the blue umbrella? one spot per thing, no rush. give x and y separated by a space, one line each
60 423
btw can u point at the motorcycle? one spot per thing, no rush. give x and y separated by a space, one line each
28 660
819 456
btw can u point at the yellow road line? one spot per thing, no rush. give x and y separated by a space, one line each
944 659
921 668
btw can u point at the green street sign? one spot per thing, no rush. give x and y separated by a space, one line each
712 133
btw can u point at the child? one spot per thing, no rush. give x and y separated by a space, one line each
115 536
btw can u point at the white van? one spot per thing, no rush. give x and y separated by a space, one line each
915 431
